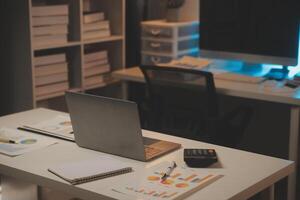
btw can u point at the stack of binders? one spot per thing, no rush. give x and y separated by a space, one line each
96 64
51 75
50 25
95 26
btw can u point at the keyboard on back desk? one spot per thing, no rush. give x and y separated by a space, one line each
238 78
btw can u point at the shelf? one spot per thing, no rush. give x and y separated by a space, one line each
105 39
77 43
50 96
75 90
101 85
25 44
69 44
57 94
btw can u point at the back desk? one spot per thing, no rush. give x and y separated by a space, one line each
267 91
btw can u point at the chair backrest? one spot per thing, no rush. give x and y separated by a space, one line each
159 79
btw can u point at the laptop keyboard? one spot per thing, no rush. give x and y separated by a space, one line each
150 151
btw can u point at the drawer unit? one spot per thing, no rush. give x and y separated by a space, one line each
163 41
157 46
164 30
169 47
148 59
155 59
193 29
157 32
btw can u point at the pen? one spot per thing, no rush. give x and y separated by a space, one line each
169 171
2 140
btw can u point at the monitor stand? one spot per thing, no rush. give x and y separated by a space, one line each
251 68
278 74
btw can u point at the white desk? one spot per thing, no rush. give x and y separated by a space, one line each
264 92
245 174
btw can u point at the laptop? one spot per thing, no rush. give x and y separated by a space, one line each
112 126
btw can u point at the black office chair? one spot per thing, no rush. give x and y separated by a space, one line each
184 102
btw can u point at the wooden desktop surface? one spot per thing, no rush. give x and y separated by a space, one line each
245 174
266 91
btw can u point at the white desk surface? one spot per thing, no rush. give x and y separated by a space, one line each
266 91
244 173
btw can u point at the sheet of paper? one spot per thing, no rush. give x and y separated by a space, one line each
25 142
189 62
181 182
58 126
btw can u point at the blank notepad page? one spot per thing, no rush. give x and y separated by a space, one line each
89 170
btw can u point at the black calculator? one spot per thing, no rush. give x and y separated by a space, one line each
200 158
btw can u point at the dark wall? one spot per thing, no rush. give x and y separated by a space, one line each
268 27
156 9
136 12
4 57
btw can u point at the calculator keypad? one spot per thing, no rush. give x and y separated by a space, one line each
200 157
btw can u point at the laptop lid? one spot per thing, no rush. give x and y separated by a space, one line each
107 125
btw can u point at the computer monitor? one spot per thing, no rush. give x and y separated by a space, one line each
254 31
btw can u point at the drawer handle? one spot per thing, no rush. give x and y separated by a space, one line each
155 60
156 32
155 45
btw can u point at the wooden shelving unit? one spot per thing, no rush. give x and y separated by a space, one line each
24 51
55 46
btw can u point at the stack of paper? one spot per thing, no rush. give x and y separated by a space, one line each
189 62
50 25
60 127
95 25
51 74
96 64
182 183
23 142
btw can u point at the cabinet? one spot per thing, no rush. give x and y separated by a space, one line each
163 41
24 93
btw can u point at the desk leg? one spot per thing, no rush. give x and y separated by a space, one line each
125 90
268 194
48 194
293 150
18 190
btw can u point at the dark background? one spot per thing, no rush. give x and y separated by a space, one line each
136 12
264 27
4 58
265 125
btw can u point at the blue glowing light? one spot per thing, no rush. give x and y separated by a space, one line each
296 70
236 66
293 70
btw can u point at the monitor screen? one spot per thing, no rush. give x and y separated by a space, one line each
259 31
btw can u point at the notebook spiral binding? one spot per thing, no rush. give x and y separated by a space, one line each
102 176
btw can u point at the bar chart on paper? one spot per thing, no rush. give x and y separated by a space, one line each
180 184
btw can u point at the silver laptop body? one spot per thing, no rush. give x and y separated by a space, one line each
111 126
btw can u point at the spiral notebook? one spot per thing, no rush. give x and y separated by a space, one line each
90 170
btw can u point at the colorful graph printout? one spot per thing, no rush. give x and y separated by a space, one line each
59 126
177 186
25 142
